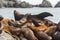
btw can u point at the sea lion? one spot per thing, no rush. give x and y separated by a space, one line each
17 15
0 28
9 29
35 19
58 26
41 16
42 36
1 17
56 36
28 33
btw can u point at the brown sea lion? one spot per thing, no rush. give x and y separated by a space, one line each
28 33
39 32
40 16
35 20
56 36
17 15
1 17
0 28
42 36
48 22
41 27
9 29
58 26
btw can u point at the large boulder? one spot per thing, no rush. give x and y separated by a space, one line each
6 36
45 3
58 4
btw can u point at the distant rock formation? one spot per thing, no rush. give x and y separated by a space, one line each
45 3
13 3
58 4
25 5
1 3
16 4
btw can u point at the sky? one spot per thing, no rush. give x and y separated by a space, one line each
53 2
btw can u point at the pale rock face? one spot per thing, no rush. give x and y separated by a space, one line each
6 36
25 5
58 4
1 3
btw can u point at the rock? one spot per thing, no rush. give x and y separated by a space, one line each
45 3
58 4
0 6
25 5
5 3
11 4
6 36
1 3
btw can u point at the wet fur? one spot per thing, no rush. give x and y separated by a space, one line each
10 29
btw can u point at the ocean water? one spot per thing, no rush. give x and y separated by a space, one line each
8 12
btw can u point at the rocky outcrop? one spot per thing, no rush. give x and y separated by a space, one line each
58 4
6 36
0 6
1 3
25 5
16 4
45 3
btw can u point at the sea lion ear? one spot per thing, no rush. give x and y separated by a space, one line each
1 17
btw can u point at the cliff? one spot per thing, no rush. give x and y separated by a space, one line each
58 4
45 3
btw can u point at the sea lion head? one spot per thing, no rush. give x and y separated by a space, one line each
1 17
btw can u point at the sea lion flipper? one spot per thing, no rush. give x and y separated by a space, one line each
43 15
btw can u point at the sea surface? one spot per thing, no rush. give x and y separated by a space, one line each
8 12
